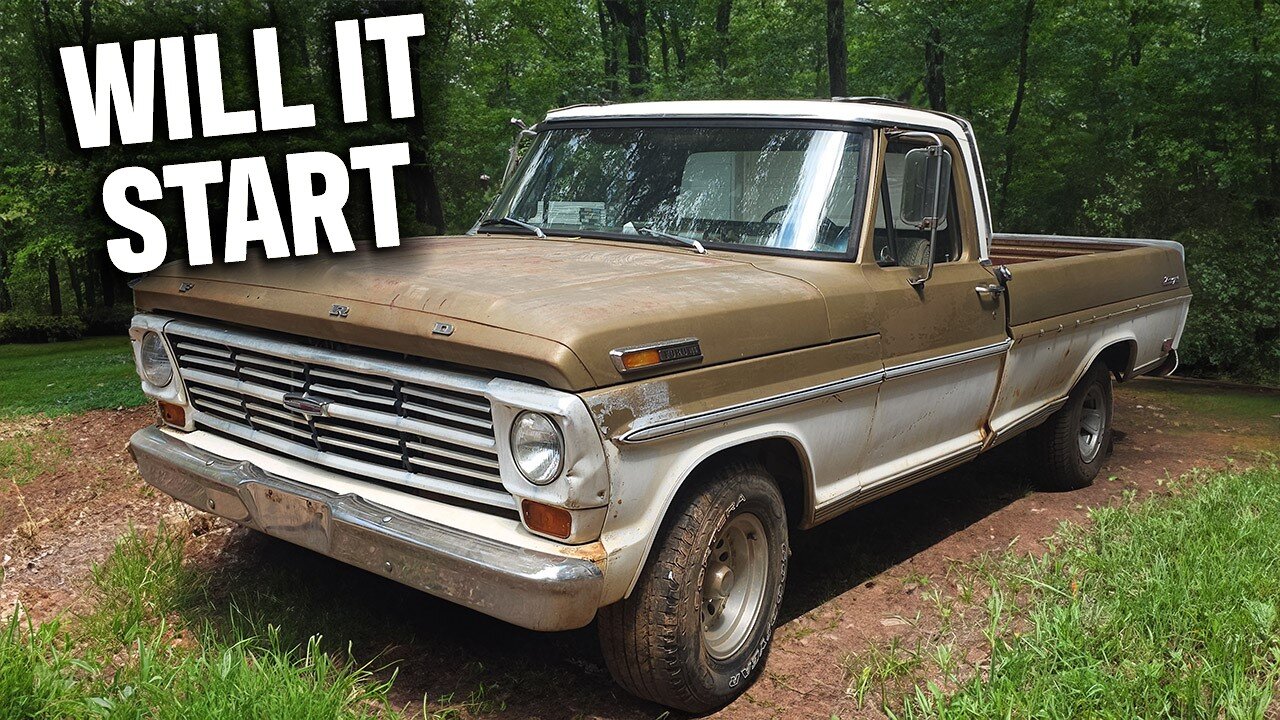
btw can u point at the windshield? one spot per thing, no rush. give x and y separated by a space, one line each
741 188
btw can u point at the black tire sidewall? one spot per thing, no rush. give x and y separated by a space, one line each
723 680
1099 377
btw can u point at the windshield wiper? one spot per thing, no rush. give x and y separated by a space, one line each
512 222
671 236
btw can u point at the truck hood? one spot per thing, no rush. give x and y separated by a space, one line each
550 309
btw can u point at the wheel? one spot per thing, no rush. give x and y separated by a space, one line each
696 629
1074 441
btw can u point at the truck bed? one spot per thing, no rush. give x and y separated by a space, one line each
1058 277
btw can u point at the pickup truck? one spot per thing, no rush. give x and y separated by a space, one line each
683 332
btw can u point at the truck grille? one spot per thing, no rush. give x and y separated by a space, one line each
423 430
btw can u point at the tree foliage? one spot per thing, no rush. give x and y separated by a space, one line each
1151 118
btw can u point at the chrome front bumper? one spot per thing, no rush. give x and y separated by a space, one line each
525 587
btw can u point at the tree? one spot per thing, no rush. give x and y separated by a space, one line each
837 49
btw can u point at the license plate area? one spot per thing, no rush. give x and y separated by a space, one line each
292 518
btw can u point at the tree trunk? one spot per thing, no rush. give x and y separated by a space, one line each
424 190
1028 14
681 47
609 51
935 83
55 287
724 10
6 299
630 15
664 44
74 278
837 50
107 276
1265 206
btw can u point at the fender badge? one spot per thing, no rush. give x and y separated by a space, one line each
304 404
669 352
1170 281
339 311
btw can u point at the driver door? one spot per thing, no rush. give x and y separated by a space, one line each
943 343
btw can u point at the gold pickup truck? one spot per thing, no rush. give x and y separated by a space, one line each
682 333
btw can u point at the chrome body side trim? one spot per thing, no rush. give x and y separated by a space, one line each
1027 422
733 412
533 589
942 361
893 484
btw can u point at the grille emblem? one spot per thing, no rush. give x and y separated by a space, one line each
304 404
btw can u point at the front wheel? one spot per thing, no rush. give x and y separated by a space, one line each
694 633
1074 441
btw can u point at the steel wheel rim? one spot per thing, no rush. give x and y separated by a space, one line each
1093 423
733 586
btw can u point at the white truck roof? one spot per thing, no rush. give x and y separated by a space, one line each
872 112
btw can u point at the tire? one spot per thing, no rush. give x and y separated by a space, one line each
676 640
1074 442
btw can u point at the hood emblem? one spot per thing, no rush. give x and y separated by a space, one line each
304 404
184 287
339 311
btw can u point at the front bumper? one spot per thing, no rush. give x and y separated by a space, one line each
525 587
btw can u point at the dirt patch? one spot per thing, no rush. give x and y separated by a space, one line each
861 581
72 490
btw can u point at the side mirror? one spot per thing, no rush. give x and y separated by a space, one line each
926 187
926 193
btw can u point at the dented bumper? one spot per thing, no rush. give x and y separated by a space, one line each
532 589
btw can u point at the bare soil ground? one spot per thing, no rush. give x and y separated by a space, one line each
855 583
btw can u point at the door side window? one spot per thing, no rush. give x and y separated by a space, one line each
898 243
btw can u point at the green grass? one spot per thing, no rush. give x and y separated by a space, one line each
67 377
127 658
28 452
1211 401
1163 608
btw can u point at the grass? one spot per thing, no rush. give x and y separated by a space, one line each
1168 607
141 652
1226 403
131 657
27 452
67 377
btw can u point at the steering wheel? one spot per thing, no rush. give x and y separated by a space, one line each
773 212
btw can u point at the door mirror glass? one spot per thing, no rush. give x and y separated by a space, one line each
926 184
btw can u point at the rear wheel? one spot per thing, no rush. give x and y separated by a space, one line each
1074 442
695 632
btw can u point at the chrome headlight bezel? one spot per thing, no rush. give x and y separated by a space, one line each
534 433
153 360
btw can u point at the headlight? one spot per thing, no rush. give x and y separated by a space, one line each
156 367
538 447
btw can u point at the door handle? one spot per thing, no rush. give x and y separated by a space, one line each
990 291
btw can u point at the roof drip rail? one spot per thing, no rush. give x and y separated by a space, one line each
871 100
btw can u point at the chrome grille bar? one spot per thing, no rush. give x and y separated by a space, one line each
425 429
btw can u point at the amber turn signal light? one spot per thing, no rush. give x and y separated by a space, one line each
548 520
173 414
664 353
640 358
